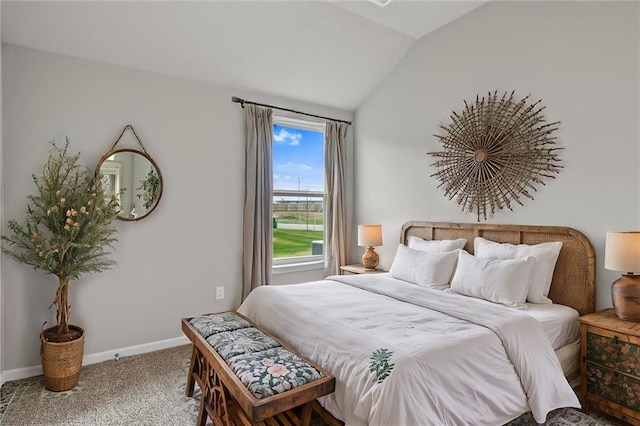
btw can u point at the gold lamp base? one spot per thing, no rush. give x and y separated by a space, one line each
370 258
625 295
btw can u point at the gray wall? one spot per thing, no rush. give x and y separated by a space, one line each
169 263
580 58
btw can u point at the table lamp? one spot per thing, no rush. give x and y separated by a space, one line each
622 253
370 236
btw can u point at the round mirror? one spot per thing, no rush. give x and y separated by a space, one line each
134 178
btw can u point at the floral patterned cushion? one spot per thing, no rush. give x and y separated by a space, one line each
238 342
273 371
207 325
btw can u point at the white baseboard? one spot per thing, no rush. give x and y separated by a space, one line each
22 373
134 350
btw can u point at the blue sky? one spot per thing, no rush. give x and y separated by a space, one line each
297 154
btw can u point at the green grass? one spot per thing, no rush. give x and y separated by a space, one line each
293 242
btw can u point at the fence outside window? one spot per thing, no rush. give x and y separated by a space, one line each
298 223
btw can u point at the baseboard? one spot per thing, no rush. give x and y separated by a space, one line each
134 350
22 373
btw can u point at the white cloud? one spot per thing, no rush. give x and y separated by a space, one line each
293 166
286 137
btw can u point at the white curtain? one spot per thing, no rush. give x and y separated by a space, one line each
257 232
336 220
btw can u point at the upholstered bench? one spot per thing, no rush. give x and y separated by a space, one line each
247 377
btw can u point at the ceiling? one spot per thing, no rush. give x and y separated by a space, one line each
331 53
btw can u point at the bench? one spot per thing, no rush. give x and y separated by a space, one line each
248 377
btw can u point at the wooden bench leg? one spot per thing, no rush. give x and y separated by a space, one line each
213 402
305 417
190 380
202 412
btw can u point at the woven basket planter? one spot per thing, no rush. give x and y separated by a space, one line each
62 362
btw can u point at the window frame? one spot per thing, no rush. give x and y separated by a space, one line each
285 265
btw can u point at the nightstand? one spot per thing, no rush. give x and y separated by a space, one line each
610 354
358 269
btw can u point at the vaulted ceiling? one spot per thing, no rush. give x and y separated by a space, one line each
331 53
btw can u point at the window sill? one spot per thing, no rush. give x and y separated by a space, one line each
297 267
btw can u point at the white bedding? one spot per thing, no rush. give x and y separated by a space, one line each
559 322
446 370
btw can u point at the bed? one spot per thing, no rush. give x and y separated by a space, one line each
405 354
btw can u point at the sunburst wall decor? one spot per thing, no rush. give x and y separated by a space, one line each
494 151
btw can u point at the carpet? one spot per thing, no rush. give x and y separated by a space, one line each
148 389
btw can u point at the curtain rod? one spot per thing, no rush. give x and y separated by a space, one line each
242 102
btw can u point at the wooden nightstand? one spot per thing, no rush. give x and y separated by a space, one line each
358 269
610 351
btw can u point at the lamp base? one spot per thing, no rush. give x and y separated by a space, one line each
625 295
370 258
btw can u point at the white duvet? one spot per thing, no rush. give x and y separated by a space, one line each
473 365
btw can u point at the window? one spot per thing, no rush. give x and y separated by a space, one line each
298 194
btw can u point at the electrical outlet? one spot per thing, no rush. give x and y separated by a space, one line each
219 292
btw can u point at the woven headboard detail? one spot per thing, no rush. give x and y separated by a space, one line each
574 278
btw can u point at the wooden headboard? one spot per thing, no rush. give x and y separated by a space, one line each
574 278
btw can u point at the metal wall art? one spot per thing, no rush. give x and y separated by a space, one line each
494 151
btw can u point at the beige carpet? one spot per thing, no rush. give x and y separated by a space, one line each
138 390
147 389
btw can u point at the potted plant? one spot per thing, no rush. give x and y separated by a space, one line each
67 232
151 187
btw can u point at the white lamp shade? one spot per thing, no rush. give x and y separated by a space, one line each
622 251
370 235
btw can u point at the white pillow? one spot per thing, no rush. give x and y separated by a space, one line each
425 269
499 281
433 246
546 255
